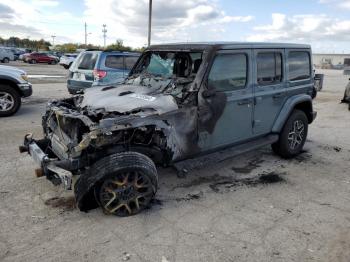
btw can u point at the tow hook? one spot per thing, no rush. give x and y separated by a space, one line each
28 138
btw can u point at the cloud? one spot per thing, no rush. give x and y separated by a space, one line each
343 4
172 20
302 28
6 12
36 19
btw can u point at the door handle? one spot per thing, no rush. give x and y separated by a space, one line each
244 102
277 95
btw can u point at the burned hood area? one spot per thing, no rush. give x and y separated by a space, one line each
155 112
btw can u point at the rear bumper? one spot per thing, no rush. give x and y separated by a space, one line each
57 171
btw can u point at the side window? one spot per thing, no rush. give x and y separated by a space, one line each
130 61
269 68
87 61
114 61
229 72
299 65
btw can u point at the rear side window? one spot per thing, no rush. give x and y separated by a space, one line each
299 66
229 72
269 68
130 61
87 61
116 62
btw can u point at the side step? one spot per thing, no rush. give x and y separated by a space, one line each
187 165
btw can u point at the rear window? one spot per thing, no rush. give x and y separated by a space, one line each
87 61
130 61
116 62
299 66
269 68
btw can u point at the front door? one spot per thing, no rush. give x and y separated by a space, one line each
229 107
269 88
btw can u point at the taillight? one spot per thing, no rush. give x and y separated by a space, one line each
99 74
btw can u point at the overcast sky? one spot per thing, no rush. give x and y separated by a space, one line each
325 24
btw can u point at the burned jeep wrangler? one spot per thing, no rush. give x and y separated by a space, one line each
180 102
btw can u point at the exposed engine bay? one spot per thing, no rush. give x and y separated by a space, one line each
143 114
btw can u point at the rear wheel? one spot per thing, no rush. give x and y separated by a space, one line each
10 101
6 60
129 184
293 135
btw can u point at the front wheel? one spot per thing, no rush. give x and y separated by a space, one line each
6 60
129 184
10 101
293 135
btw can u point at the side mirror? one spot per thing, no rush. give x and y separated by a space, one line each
208 93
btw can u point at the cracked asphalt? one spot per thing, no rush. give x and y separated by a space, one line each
254 207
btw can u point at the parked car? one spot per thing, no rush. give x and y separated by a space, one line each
67 60
346 98
35 57
95 68
179 102
13 85
6 55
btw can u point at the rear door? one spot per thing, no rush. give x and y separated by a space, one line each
269 88
130 61
232 103
114 66
81 73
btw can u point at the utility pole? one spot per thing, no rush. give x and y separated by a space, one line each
85 34
53 40
104 31
149 22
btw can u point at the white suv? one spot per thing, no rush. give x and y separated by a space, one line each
67 60
6 55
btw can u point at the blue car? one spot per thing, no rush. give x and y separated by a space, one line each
95 68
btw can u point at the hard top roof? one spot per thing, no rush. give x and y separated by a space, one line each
226 45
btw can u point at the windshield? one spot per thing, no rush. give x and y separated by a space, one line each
169 64
166 72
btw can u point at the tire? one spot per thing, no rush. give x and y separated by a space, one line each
129 183
53 62
10 101
6 60
33 61
293 135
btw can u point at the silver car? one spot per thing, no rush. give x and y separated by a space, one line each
13 85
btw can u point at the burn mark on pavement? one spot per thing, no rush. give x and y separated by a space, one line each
249 167
65 203
262 179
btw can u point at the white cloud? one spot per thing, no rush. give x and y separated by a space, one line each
302 28
344 4
187 20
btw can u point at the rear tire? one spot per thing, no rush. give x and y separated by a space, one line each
129 183
10 101
6 60
293 135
